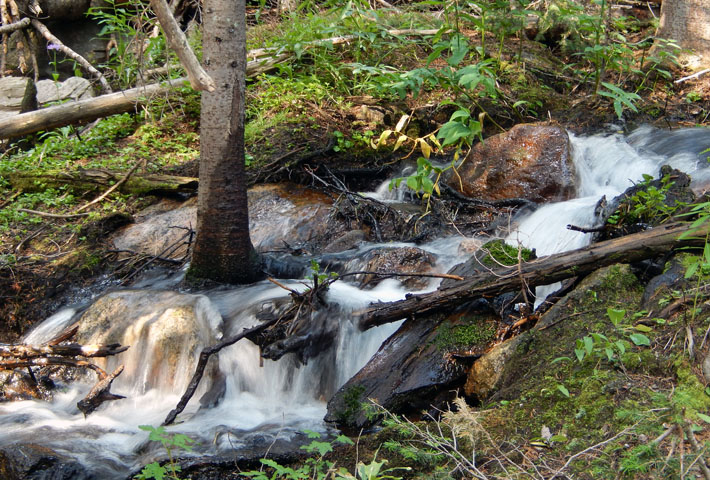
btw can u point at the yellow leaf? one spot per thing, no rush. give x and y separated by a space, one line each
383 138
426 149
434 140
402 122
400 141
436 188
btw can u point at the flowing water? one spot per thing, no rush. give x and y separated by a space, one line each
282 398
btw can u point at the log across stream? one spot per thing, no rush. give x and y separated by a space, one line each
248 404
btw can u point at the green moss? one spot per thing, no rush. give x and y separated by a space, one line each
473 331
500 253
353 404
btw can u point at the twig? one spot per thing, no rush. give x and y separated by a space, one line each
44 31
52 215
11 199
593 447
695 75
277 283
112 188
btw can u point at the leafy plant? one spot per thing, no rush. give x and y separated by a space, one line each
170 442
315 467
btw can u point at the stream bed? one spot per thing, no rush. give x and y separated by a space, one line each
264 401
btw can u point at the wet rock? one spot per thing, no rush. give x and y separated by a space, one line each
346 241
18 385
282 217
486 374
402 260
530 161
291 217
166 332
416 364
35 462
662 286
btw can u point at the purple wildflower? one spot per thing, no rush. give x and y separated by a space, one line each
53 46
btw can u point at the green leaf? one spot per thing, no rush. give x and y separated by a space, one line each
643 328
588 344
620 346
703 417
344 440
451 132
609 353
559 438
153 470
579 353
321 447
563 390
692 268
561 359
640 339
615 315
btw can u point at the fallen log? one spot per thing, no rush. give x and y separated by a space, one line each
541 271
94 179
69 350
83 110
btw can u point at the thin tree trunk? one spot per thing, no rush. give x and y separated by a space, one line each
223 250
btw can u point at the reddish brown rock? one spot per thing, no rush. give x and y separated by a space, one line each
530 161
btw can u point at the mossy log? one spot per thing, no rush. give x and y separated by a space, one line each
98 179
541 271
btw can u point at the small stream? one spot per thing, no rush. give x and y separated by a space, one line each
283 398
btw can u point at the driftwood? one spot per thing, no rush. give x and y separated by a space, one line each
93 179
541 271
53 354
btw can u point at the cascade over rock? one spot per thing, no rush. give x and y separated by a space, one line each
166 332
530 161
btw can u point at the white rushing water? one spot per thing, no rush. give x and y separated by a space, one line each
283 397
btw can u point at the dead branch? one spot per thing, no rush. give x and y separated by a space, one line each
70 350
199 79
202 364
100 393
541 271
696 448
44 31
24 23
51 215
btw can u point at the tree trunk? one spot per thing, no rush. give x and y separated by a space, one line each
542 271
223 250
688 23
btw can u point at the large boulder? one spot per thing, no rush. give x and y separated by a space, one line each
166 332
530 161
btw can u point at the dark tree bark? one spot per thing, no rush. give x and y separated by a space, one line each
223 250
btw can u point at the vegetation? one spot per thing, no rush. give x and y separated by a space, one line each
620 397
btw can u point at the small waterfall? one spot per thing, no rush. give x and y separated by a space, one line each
284 397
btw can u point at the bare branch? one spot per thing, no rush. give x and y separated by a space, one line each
199 79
